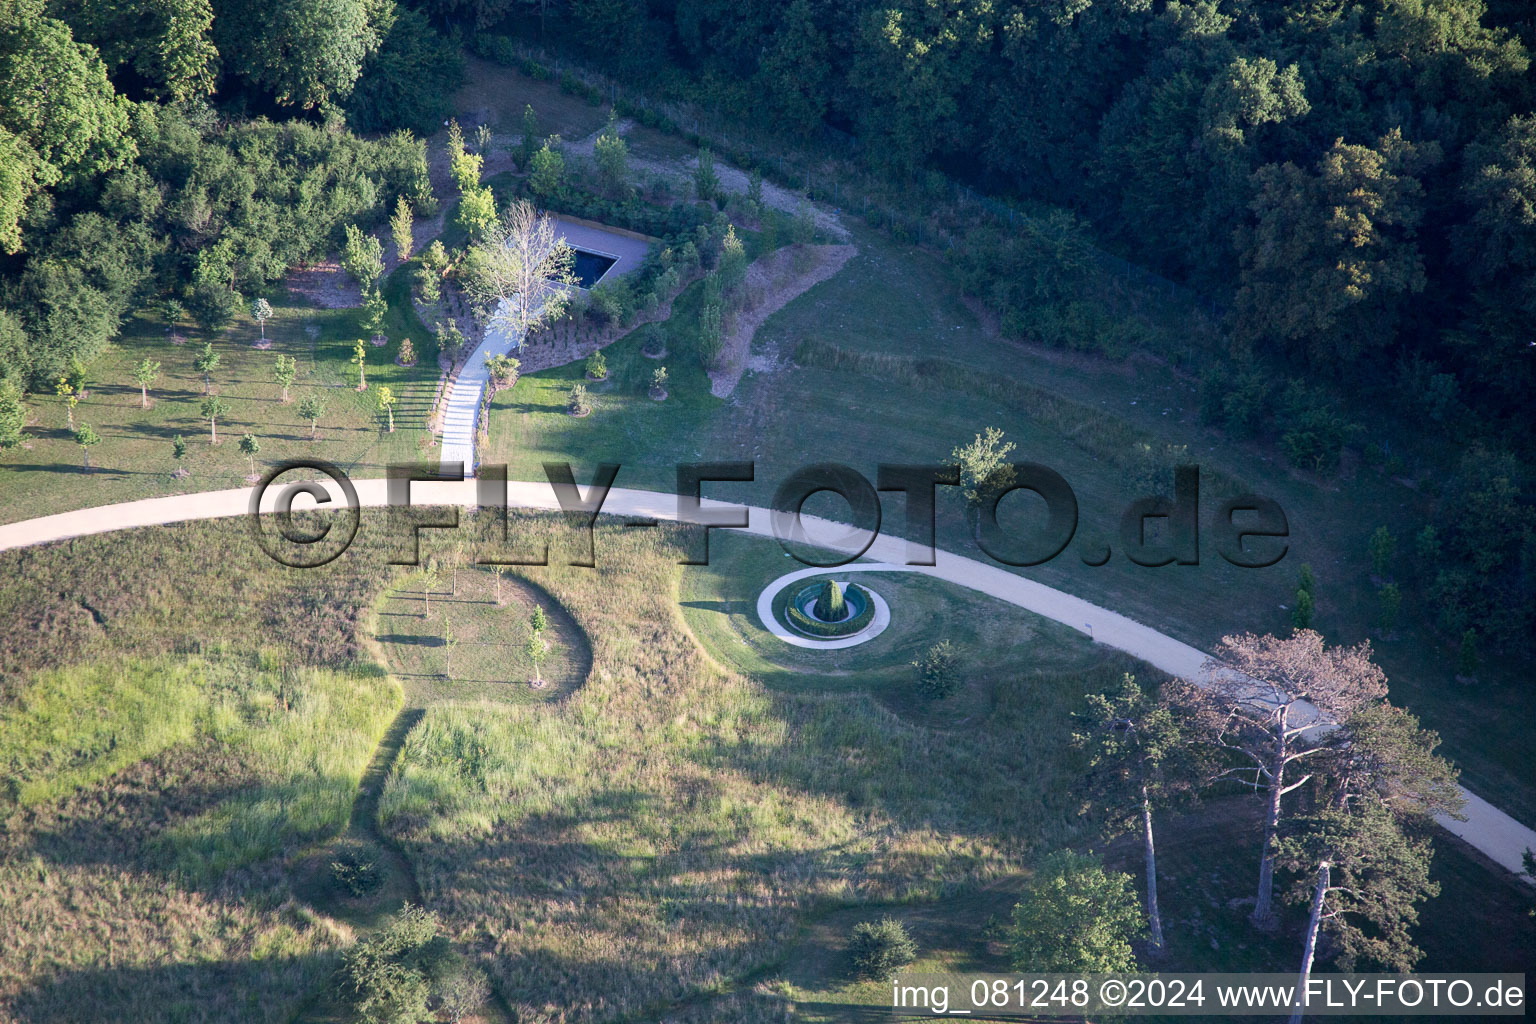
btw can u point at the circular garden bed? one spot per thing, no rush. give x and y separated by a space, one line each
826 609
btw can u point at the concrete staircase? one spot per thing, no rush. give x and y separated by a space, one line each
461 403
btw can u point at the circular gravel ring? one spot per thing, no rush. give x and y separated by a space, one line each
781 630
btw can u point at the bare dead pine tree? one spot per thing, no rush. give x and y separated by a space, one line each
1277 707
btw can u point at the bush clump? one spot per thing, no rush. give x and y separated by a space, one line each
830 606
356 877
880 948
937 671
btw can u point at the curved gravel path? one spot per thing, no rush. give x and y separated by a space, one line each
1486 828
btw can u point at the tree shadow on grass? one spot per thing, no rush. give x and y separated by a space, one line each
77 468
411 640
268 989
723 607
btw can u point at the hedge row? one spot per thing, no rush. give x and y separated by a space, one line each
803 622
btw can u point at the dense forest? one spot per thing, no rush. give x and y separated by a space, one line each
1352 181
1357 179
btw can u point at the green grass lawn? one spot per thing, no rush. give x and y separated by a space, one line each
1080 417
489 660
659 835
994 641
135 459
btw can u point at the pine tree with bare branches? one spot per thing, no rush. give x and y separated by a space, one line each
1277 707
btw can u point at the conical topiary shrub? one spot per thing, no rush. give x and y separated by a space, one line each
830 606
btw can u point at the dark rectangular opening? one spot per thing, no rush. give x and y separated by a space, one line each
589 267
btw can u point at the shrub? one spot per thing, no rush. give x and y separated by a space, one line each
503 369
477 211
395 972
1314 432
937 672
1301 615
597 365
449 339
612 156
659 379
605 306
830 606
711 333
655 341
846 627
1246 403
733 262
214 306
880 948
547 169
356 877
580 403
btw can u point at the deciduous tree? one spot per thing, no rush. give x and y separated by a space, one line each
284 371
1075 917
213 408
387 405
87 438
360 360
362 257
312 407
261 312
13 415
206 362
547 169
145 373
250 448
611 153
520 277
303 54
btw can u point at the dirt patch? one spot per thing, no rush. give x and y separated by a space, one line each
325 285
772 283
568 341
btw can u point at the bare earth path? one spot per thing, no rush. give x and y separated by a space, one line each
772 283
1497 835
